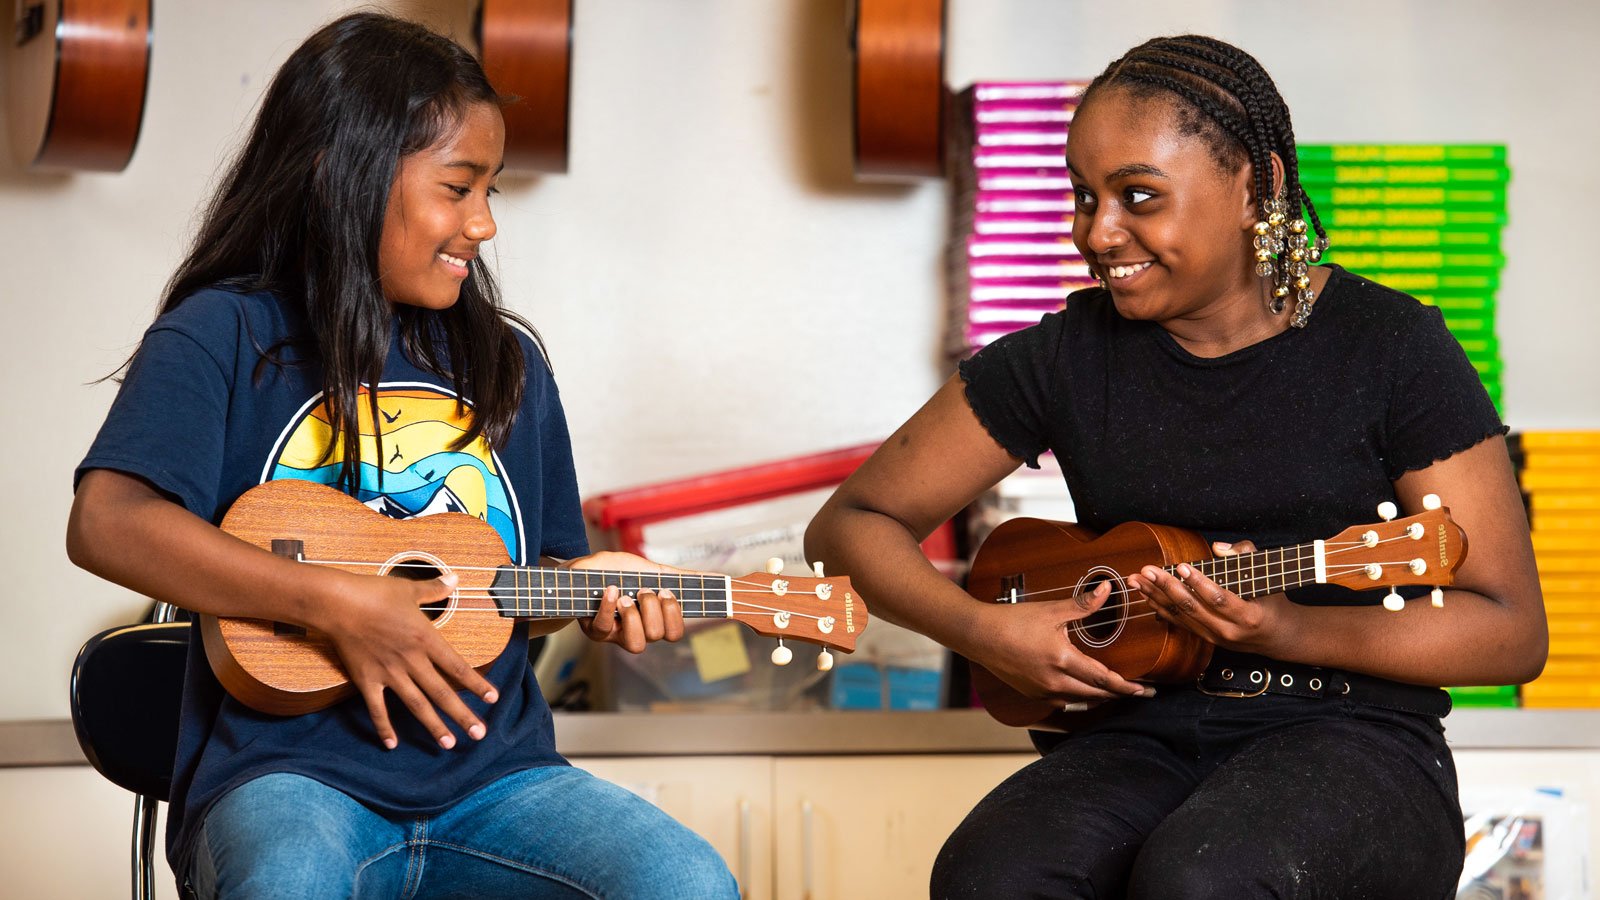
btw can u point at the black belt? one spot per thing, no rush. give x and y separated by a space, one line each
1252 676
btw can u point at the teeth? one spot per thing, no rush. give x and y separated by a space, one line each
452 260
1125 271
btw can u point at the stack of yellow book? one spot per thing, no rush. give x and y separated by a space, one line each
1561 476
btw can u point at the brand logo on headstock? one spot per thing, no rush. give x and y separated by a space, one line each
849 613
1444 558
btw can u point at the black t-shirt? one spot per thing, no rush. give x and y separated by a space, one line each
1289 440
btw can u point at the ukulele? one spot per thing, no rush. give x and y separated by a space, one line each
1027 559
76 82
283 669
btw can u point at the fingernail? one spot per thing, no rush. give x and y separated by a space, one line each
1148 692
390 743
626 601
1222 545
448 741
491 696
450 579
666 594
1151 573
477 732
1184 571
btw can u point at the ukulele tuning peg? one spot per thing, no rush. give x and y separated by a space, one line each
1431 501
781 654
774 565
1387 510
1436 597
1393 602
824 661
816 569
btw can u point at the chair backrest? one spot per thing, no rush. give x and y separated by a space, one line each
127 689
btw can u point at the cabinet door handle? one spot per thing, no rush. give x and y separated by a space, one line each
807 852
744 848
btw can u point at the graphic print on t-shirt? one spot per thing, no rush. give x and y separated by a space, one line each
421 474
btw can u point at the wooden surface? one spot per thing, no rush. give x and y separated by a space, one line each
1061 560
526 49
899 92
50 742
287 674
77 88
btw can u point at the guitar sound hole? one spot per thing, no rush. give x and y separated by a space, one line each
422 570
1105 624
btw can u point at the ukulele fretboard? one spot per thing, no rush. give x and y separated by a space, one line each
1263 572
529 592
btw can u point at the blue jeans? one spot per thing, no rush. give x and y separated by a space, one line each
553 832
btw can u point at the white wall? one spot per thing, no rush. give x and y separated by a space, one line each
714 289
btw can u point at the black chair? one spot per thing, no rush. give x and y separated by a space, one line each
127 687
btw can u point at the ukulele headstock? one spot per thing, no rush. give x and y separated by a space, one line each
814 609
1424 549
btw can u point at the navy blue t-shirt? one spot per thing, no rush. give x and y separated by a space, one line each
203 420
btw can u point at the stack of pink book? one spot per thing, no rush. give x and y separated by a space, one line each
1011 254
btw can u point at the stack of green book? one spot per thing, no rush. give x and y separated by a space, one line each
1424 219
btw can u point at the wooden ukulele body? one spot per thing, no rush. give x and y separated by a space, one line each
286 671
1036 559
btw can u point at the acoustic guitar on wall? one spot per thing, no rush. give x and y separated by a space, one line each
76 82
1027 559
526 49
897 88
282 669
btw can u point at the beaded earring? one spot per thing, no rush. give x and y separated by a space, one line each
1282 254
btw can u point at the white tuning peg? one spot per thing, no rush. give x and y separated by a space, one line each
781 654
1393 602
1431 501
1387 510
816 569
1436 597
824 661
774 565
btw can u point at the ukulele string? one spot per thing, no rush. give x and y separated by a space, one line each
742 607
1330 550
619 574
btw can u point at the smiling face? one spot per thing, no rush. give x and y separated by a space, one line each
1164 224
438 212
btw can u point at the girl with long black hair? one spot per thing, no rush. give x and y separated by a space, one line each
334 322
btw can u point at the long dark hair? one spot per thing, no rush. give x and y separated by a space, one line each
1233 104
300 212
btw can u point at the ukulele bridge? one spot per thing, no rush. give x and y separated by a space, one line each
1012 588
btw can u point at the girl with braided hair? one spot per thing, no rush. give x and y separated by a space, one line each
1221 381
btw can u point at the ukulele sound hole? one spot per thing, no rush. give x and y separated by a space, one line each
1105 624
421 569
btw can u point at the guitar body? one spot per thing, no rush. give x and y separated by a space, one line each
283 670
77 82
1045 560
526 49
898 88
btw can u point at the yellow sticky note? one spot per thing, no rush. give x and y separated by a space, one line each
719 653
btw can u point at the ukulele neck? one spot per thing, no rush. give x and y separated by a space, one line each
1266 571
536 592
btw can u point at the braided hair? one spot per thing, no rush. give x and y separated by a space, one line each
1228 100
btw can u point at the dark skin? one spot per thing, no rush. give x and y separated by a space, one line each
124 530
1170 230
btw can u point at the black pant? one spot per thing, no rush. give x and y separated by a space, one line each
1187 796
